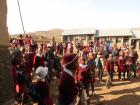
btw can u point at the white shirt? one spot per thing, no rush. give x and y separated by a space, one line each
83 66
68 71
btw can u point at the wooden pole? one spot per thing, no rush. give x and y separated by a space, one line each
21 16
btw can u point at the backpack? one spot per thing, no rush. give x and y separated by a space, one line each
32 91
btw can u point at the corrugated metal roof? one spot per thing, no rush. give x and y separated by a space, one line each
79 31
136 33
115 32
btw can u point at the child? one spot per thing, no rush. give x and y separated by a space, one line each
100 66
82 80
121 65
42 86
110 69
67 90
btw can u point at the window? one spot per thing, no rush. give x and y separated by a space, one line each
134 43
118 40
83 37
109 39
89 38
105 39
65 38
126 39
71 38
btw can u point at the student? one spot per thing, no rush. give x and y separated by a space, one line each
19 78
49 60
134 57
38 59
83 81
121 65
91 70
127 64
42 86
57 66
100 66
67 86
110 69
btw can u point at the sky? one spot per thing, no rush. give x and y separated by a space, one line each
42 15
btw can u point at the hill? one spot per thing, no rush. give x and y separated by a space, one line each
48 35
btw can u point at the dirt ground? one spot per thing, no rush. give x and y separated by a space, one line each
124 92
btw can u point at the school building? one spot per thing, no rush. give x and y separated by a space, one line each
119 37
83 35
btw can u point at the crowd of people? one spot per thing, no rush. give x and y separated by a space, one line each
75 69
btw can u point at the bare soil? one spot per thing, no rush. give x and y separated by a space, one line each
124 92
